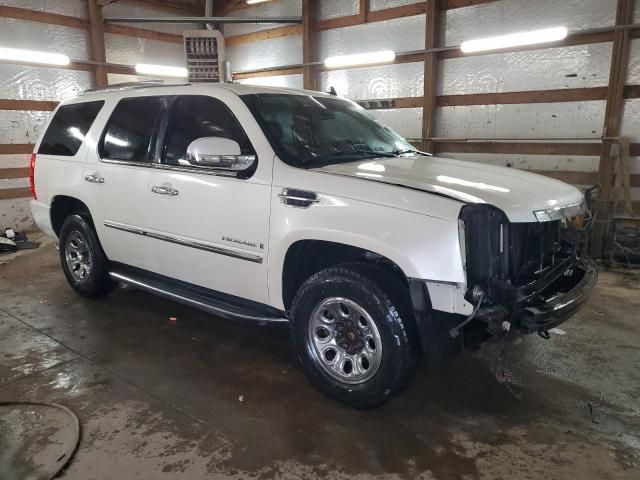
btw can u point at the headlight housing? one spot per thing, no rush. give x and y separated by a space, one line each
559 213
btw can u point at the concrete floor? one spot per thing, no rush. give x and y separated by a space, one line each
207 398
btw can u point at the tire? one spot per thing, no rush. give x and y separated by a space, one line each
344 315
83 261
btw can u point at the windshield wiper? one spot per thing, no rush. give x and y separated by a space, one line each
402 152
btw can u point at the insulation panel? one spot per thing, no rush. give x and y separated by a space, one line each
285 81
384 4
522 121
280 8
130 50
388 81
73 8
274 52
41 83
328 9
405 121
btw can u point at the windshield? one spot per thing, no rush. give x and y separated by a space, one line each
309 132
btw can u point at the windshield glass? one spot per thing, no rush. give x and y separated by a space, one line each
308 132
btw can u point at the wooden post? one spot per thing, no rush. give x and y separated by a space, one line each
364 11
96 35
612 121
308 72
430 75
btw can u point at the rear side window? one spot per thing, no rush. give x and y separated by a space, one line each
68 127
132 128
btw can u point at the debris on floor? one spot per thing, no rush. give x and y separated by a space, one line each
10 241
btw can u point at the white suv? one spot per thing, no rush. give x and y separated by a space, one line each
278 205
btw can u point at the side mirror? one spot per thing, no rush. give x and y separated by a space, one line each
217 153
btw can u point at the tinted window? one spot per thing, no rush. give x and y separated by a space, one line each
310 132
197 116
68 127
131 129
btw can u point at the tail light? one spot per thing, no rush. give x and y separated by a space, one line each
32 176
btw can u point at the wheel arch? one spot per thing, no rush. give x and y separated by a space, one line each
306 257
64 205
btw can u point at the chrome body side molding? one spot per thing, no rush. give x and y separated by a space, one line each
235 253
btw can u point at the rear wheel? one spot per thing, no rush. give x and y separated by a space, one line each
84 263
351 337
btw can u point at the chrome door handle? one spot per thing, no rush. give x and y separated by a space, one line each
94 178
165 190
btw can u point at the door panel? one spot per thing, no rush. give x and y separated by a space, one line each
210 229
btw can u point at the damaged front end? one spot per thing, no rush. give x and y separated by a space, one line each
530 276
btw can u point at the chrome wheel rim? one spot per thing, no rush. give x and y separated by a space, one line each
344 340
78 256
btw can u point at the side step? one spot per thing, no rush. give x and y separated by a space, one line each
216 303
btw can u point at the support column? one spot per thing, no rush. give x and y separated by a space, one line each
308 72
612 122
96 36
430 74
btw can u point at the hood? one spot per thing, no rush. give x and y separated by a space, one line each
516 192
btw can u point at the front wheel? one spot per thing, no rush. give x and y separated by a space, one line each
351 334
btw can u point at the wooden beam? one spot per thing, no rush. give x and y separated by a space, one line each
267 73
535 96
392 13
43 17
116 29
451 4
26 105
74 22
581 178
7 173
16 148
308 72
96 35
264 35
12 193
521 148
430 73
363 10
612 122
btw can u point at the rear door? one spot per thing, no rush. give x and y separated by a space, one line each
211 226
117 174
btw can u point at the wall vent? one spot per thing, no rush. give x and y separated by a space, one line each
204 53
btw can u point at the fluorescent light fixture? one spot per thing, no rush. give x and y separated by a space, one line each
515 40
384 56
251 2
30 56
161 70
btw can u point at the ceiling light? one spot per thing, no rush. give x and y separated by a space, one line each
29 56
514 40
251 2
357 59
161 70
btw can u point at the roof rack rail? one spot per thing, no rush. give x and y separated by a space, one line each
117 87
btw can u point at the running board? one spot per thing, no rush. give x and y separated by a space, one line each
216 303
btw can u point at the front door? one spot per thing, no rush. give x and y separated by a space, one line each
211 226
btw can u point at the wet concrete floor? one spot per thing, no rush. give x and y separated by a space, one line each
207 398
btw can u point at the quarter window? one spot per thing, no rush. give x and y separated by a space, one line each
132 128
197 116
68 127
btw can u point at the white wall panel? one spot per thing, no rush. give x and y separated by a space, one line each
124 8
545 69
400 35
73 8
631 119
21 127
509 16
337 8
268 9
542 120
388 81
72 42
41 83
633 72
406 121
286 81
531 162
275 52
15 213
130 50
382 4
14 161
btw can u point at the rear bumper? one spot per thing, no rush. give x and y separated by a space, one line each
41 213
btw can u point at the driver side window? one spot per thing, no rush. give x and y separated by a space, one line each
197 116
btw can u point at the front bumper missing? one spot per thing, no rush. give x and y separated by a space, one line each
555 302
